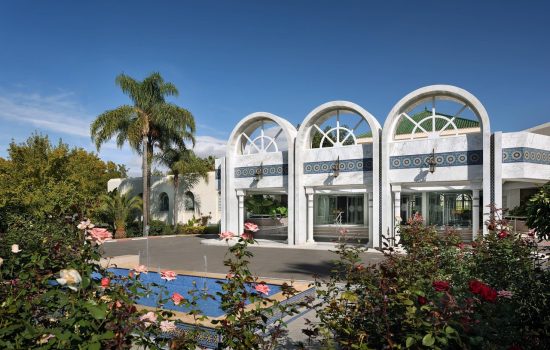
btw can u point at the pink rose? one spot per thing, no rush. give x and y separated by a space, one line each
168 275
85 225
262 288
247 236
168 326
226 235
177 298
140 269
99 235
148 318
105 282
502 234
249 226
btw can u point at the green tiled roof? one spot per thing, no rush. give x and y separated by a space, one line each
406 126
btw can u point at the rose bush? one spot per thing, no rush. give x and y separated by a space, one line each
491 294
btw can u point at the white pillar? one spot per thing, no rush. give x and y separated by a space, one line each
475 213
309 229
396 189
240 215
367 212
425 198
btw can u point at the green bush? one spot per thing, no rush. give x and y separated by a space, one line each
159 228
52 300
190 230
441 293
538 212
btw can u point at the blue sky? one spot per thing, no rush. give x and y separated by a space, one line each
59 59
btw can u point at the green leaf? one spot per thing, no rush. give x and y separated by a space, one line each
94 346
85 282
449 330
410 341
428 340
96 311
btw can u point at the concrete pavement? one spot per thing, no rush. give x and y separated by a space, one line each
187 253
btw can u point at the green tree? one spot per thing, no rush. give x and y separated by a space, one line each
119 208
150 121
43 180
187 170
538 212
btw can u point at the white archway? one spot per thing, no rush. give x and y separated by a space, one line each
433 139
250 157
354 161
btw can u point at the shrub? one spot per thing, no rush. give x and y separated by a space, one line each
190 230
538 212
440 294
159 228
56 295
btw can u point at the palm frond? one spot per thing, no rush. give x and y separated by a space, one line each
111 123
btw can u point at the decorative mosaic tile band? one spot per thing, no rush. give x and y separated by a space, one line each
443 159
346 165
267 170
525 155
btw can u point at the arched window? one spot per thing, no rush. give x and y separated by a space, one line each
189 201
263 136
164 202
340 127
435 117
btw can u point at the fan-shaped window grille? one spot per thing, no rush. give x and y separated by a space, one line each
189 201
164 202
339 128
263 136
434 118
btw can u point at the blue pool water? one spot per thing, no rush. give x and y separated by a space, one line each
182 285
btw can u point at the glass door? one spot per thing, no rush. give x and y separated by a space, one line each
339 209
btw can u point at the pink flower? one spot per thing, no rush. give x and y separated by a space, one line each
461 245
140 269
226 235
229 275
105 282
99 235
168 326
148 318
247 236
343 231
502 234
177 298
262 288
168 275
15 248
249 226
505 294
85 225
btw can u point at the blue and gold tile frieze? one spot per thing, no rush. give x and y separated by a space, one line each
346 165
267 170
443 159
525 155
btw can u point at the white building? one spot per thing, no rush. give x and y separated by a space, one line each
202 200
342 169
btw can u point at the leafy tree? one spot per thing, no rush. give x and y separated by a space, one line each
150 121
119 208
44 180
187 170
538 212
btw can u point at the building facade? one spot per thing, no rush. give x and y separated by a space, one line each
340 170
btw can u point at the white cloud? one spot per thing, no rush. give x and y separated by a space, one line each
210 146
56 112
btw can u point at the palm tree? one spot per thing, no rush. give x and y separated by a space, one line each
187 170
150 121
118 208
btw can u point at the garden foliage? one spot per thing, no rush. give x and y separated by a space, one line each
441 294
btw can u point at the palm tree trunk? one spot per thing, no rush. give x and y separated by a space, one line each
145 177
176 189
149 181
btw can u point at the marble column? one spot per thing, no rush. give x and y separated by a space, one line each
240 218
310 197
396 189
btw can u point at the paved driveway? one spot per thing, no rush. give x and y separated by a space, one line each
187 253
